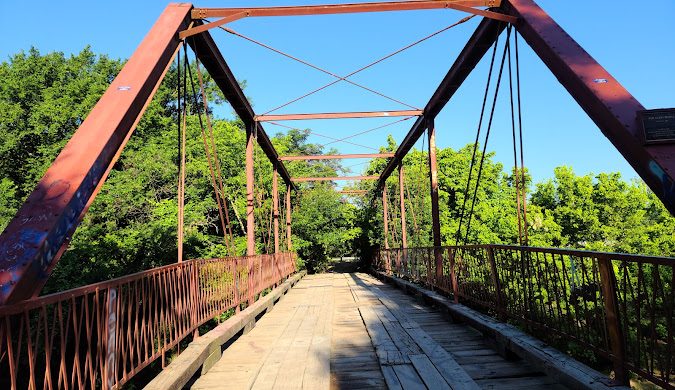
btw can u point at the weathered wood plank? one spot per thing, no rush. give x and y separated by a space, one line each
446 365
183 367
408 377
391 379
550 361
317 373
429 374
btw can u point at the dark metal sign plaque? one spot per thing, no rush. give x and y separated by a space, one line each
658 125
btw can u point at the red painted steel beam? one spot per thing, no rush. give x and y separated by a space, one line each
289 241
336 156
275 205
385 217
336 115
332 9
250 189
612 108
214 62
33 241
205 27
304 179
401 198
479 43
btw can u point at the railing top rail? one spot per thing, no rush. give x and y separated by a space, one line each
35 302
663 260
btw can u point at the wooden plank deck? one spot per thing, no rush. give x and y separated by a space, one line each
350 331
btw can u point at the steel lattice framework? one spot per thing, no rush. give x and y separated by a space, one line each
38 235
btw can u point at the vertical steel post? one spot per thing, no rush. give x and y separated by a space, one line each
385 216
289 246
435 218
275 201
404 233
500 307
250 178
616 338
453 275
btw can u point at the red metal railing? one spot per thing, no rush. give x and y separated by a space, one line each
593 305
103 334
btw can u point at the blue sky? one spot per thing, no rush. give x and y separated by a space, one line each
634 42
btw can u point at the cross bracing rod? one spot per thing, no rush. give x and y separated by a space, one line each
481 40
336 115
304 179
336 156
329 9
209 54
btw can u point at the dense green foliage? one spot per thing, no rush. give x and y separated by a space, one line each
595 212
131 225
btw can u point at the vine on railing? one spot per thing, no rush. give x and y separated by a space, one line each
599 307
103 334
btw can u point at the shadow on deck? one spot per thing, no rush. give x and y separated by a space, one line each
350 330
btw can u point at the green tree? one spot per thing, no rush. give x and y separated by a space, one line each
323 224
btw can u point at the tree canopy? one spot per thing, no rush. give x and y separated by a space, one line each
132 223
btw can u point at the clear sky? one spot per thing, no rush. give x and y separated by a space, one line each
631 39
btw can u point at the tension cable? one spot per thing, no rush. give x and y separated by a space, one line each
475 144
487 135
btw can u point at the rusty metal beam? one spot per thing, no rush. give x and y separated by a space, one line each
401 198
613 109
205 27
275 205
353 192
385 216
209 54
250 189
433 187
336 115
289 243
481 40
331 9
336 156
38 234
435 210
304 179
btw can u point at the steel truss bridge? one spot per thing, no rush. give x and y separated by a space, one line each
482 316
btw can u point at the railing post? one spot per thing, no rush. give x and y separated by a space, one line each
453 275
499 301
110 370
250 264
195 296
237 283
616 338
397 268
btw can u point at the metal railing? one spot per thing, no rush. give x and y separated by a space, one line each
101 335
598 307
